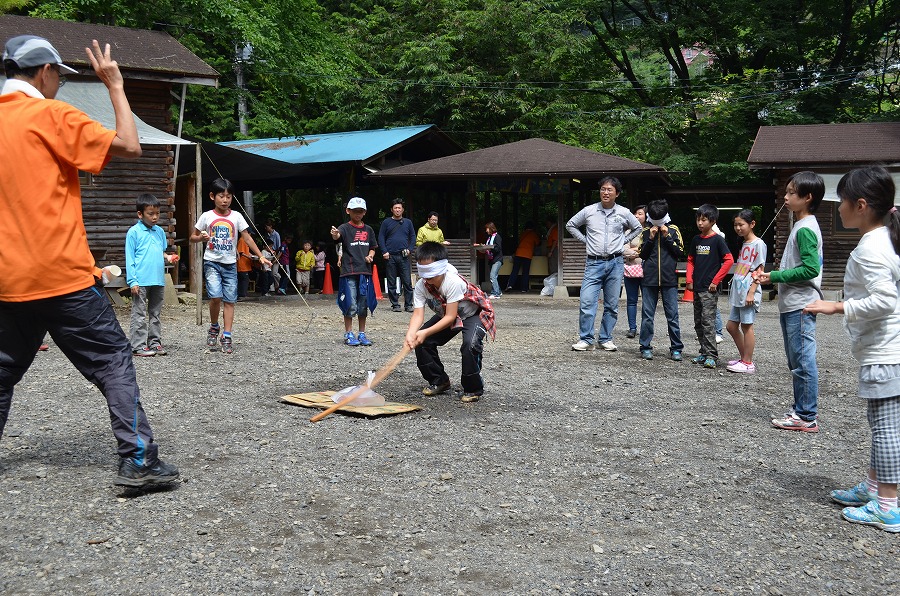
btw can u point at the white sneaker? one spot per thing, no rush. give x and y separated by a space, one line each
609 346
742 367
582 346
719 338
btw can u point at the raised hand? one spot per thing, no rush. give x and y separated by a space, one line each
106 68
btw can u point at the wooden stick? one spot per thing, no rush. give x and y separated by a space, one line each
383 372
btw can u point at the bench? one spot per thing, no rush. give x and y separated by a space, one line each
539 270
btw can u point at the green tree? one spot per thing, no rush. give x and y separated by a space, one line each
295 59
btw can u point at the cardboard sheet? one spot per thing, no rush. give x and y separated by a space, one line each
322 400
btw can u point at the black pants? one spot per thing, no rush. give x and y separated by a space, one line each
398 266
430 364
84 326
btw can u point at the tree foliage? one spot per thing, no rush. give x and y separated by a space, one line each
293 62
609 75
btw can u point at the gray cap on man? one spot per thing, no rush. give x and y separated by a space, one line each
26 51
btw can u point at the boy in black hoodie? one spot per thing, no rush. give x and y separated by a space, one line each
661 249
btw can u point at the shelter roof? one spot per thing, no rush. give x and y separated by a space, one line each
533 158
363 146
825 145
92 98
139 52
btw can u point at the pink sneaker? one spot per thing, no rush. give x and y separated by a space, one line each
735 361
794 422
742 367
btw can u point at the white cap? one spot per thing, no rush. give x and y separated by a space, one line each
30 50
356 203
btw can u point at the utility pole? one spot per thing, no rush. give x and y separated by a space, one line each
242 53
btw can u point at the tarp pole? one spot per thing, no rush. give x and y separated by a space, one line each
197 247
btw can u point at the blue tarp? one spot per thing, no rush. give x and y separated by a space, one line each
357 145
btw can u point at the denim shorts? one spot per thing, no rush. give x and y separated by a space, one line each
221 280
745 315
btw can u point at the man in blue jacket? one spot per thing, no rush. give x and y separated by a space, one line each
398 239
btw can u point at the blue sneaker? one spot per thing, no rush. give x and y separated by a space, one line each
362 340
350 339
871 514
676 355
699 359
710 362
854 497
647 354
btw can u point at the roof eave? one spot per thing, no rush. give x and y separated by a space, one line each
489 175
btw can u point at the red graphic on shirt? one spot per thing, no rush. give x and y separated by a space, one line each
361 236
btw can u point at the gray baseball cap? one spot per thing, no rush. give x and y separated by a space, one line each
30 50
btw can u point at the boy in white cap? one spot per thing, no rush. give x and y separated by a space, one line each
356 295
43 145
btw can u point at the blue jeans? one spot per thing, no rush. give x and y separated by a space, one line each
649 299
519 264
398 265
606 276
799 332
632 287
495 278
221 280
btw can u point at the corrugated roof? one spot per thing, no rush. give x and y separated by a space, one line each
92 98
134 49
528 158
825 145
354 146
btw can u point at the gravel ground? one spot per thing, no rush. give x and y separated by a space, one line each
577 473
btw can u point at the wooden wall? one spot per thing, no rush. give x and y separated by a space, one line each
837 245
109 198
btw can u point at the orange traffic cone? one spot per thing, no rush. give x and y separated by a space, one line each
688 296
376 282
326 285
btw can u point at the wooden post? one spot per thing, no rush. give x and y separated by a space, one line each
473 236
197 248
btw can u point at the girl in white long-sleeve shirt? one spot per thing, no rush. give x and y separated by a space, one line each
871 310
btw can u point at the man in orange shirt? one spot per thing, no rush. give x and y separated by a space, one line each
43 144
522 258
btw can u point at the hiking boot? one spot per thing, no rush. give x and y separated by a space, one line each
609 346
212 336
710 362
409 308
794 422
395 307
853 497
647 354
227 347
469 397
130 474
742 367
871 514
582 346
160 351
362 339
631 333
700 359
350 339
436 389
676 355
144 352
